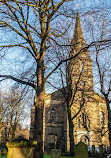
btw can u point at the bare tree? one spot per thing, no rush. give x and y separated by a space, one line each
80 93
104 79
101 55
31 23
12 112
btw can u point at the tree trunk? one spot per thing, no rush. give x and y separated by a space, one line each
108 108
71 125
38 124
71 136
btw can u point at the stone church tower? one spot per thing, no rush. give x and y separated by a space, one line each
88 109
90 123
80 68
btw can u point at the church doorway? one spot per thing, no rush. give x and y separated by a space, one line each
85 140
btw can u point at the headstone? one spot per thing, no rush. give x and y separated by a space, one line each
81 150
100 149
55 153
21 149
93 149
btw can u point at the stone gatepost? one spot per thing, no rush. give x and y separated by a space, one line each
100 149
81 150
21 149
55 153
93 149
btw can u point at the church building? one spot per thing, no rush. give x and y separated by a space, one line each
88 109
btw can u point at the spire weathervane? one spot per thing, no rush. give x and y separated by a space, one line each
77 6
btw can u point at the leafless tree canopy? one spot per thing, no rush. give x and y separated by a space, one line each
30 32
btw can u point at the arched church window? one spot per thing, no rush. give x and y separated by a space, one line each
88 123
101 118
82 83
84 118
81 67
78 122
52 115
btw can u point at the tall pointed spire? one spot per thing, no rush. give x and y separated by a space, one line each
78 34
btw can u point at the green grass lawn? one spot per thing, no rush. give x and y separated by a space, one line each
48 156
45 156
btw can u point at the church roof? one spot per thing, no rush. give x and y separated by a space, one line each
98 96
58 95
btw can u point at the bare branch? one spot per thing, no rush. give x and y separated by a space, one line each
104 42
18 80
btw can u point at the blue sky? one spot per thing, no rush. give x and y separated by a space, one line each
18 60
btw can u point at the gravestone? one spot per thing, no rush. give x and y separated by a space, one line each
100 149
55 153
81 150
21 149
93 149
